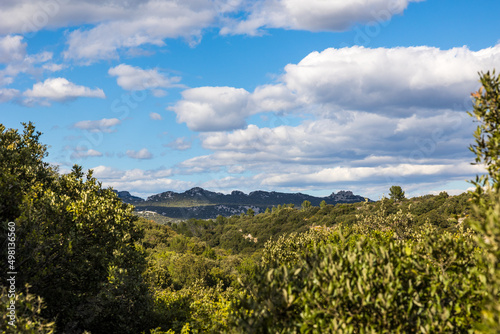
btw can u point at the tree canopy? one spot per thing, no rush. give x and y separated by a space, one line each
396 193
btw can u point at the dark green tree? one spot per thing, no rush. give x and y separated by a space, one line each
75 241
21 166
250 212
396 193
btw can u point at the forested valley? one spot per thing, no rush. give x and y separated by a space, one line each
85 263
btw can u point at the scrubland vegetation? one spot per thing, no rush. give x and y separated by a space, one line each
85 262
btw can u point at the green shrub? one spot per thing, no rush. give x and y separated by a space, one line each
196 309
428 284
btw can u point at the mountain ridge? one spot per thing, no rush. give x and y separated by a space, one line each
200 203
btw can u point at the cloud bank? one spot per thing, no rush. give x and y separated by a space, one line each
116 25
395 82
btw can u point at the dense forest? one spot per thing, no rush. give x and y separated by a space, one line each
76 259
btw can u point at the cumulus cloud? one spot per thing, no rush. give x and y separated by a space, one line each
103 125
116 25
29 64
51 67
7 94
155 116
60 89
385 79
146 22
341 141
141 154
359 174
82 153
314 15
213 108
179 144
134 78
230 183
13 54
396 82
25 16
226 108
12 49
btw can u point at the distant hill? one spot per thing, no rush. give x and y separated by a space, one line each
128 198
203 204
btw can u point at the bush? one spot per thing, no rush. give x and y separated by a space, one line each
364 284
196 309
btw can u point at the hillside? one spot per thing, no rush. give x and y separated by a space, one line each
247 233
203 204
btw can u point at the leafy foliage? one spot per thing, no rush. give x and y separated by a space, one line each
229 233
21 167
486 197
357 283
75 241
28 309
196 309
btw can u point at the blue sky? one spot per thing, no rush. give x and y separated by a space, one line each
286 95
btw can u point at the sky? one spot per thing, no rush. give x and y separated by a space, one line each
310 96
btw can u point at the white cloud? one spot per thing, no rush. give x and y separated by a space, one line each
397 82
146 22
116 25
28 64
141 154
386 79
273 98
315 15
135 78
358 174
230 183
25 16
213 108
352 140
12 49
13 54
155 116
82 153
7 94
60 89
180 144
51 67
226 108
103 125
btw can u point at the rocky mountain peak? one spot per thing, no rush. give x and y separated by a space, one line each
237 193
